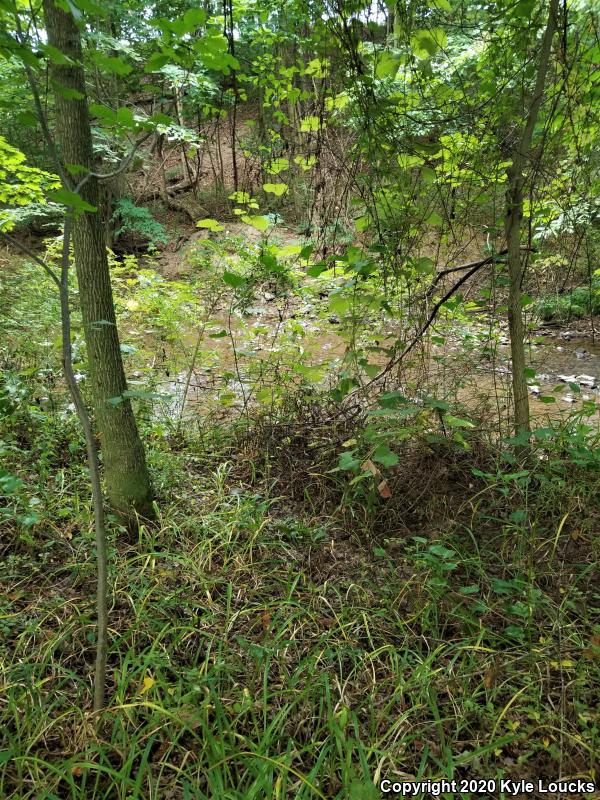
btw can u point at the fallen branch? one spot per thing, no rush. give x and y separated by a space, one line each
171 191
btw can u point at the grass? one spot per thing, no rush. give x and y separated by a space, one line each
261 649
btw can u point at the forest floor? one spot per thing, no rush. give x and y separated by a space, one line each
272 636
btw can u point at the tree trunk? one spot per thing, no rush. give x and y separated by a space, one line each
126 474
512 229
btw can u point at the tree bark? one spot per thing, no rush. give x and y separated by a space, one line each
512 229
126 474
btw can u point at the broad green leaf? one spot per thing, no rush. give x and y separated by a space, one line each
157 61
383 455
107 115
424 265
212 49
278 165
310 124
434 219
66 91
289 250
305 163
457 422
55 55
71 200
125 117
426 43
387 64
276 188
111 63
233 280
89 7
316 269
347 461
240 197
260 223
210 224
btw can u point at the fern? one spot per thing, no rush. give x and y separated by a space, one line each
137 219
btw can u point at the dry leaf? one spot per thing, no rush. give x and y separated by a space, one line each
266 621
369 466
489 678
593 651
384 490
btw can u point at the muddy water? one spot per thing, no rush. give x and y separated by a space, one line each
257 351
567 373
261 348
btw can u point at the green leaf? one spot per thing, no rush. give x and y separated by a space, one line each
260 223
212 50
160 119
310 124
71 200
192 19
233 280
278 165
383 455
157 61
76 169
107 115
210 224
195 17
55 55
27 119
387 64
426 43
289 250
240 197
316 269
305 163
275 188
425 265
457 422
473 588
90 7
111 64
348 462
66 91
125 117
434 219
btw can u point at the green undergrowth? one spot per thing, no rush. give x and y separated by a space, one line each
575 304
265 647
